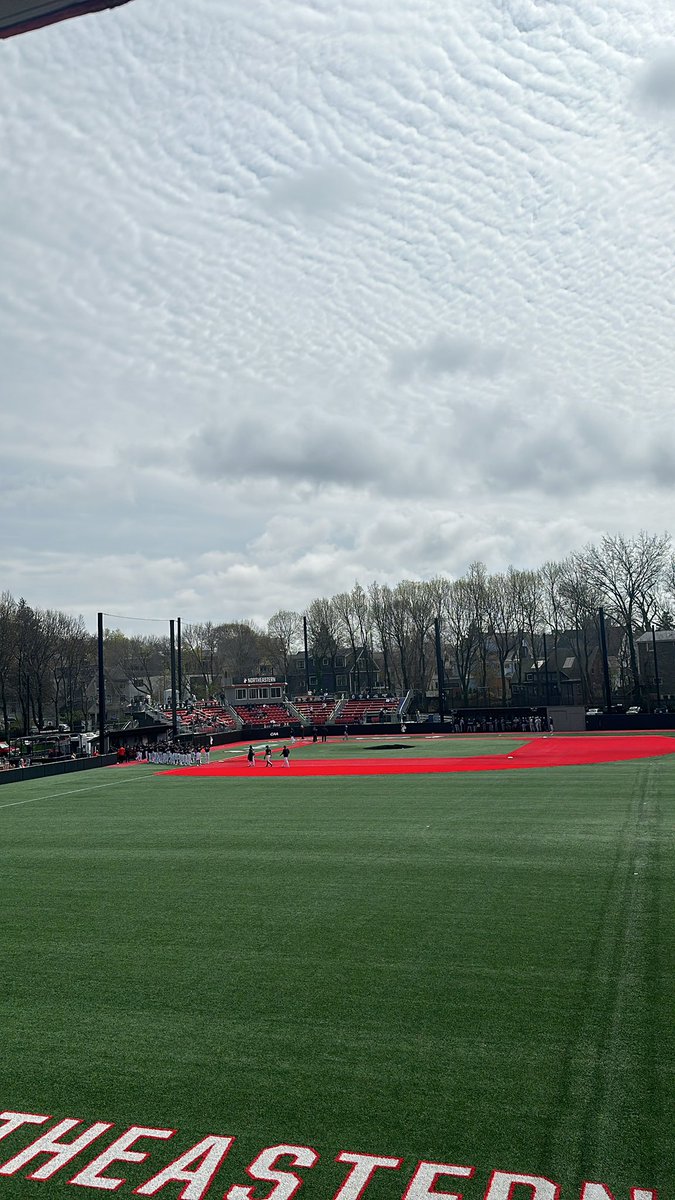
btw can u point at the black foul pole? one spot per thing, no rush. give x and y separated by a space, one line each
101 689
656 669
304 635
179 657
174 713
605 660
440 671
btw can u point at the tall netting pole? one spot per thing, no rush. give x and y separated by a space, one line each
440 671
174 712
656 670
101 688
179 661
605 660
547 693
306 649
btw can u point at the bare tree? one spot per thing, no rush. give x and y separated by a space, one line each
502 619
8 635
348 627
284 629
363 616
242 648
554 608
323 627
627 572
478 586
201 641
462 630
72 662
402 634
420 599
579 603
380 610
33 649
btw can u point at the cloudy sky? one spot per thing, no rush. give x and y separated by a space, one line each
297 293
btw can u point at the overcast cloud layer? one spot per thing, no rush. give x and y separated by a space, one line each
295 294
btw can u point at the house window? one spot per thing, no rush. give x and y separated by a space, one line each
341 681
312 681
326 661
340 661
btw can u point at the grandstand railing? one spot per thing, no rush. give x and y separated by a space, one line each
296 713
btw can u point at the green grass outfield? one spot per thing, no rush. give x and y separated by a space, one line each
379 746
473 969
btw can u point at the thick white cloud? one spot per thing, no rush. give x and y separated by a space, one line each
293 298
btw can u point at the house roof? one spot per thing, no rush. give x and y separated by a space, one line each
661 635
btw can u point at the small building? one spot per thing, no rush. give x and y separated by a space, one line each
554 681
255 689
334 674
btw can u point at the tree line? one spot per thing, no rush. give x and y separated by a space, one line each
488 619
491 624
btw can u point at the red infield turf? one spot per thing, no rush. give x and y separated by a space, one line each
540 752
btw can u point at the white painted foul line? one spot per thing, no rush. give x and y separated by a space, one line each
92 787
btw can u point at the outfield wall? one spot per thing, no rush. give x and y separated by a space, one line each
65 766
625 723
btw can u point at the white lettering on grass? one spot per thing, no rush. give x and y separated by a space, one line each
503 1184
600 1191
60 1153
262 1168
196 1168
365 1166
421 1186
14 1120
118 1151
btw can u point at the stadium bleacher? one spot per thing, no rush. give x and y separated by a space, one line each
206 718
357 712
317 712
263 714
